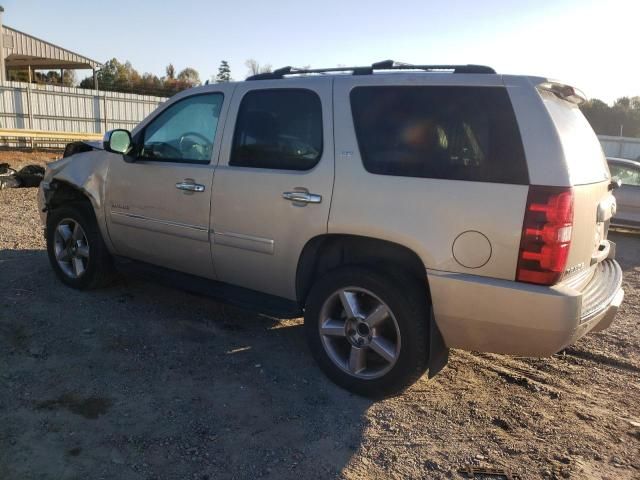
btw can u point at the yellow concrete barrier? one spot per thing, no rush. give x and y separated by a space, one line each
70 136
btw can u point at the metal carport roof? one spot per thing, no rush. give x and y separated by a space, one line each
19 50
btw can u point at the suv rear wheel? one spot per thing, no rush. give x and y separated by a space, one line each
368 331
76 250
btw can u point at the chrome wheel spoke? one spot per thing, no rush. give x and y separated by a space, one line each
357 359
83 251
62 255
384 348
78 266
77 232
333 328
349 303
65 232
377 316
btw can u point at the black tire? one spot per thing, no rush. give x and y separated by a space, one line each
405 297
99 269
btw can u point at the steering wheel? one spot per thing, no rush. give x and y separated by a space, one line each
205 141
161 150
190 148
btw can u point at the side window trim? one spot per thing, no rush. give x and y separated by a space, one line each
238 111
139 136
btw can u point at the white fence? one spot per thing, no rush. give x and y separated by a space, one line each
64 109
621 147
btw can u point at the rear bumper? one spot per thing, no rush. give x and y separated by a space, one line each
501 316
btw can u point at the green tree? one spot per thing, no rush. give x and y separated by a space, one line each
621 118
189 76
224 72
122 77
115 76
18 75
51 77
170 71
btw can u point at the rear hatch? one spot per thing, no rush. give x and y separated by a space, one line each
593 202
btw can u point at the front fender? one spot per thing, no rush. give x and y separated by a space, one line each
86 172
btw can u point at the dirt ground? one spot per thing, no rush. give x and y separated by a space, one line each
138 381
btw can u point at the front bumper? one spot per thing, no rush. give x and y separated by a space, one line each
501 316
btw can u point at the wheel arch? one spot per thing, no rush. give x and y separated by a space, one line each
61 192
329 251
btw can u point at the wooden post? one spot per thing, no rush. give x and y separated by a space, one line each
3 71
105 112
30 104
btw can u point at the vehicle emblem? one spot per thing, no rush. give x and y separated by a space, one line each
574 269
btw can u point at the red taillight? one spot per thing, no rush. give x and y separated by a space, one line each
546 235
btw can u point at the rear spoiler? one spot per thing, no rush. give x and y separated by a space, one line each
565 92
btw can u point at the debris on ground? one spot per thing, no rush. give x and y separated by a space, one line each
30 176
27 177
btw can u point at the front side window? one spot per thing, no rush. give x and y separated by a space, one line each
454 133
185 131
280 128
627 175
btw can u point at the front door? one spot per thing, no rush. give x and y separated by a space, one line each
272 188
158 202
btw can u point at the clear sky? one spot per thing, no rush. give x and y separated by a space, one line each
592 44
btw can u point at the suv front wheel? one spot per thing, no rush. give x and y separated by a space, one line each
76 250
368 331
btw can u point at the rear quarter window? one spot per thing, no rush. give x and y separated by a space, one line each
582 150
455 133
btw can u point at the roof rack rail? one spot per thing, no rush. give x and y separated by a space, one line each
368 70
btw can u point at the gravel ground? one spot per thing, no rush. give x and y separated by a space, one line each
138 381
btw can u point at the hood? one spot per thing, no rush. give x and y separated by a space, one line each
82 146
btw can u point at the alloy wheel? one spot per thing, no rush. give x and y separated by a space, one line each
71 248
359 333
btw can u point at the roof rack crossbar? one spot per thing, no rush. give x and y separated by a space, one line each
368 70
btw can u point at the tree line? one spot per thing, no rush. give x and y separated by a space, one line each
122 77
620 119
117 76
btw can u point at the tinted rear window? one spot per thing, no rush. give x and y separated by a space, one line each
456 133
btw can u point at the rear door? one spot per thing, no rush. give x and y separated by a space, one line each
158 200
273 184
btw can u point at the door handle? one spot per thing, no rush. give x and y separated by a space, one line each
190 186
302 197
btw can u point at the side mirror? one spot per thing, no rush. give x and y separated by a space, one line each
118 141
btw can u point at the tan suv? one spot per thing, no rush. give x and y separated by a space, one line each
403 209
